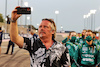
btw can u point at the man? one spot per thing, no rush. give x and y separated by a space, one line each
89 53
44 51
72 46
82 39
95 40
8 19
78 35
67 38
10 44
1 33
33 34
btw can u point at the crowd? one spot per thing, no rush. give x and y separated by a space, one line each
45 51
84 51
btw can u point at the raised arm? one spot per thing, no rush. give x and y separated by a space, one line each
14 29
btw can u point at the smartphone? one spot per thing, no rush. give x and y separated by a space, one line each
23 10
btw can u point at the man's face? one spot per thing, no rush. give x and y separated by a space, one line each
83 32
89 34
94 34
72 34
78 34
45 29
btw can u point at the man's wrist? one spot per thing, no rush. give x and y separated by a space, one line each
13 21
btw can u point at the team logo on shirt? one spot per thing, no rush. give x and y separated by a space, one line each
84 49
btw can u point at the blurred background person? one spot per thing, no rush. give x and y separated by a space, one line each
1 34
8 19
66 39
78 35
33 34
82 39
95 40
10 44
72 46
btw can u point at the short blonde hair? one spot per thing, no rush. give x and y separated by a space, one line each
53 26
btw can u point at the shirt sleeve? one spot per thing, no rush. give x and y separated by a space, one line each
77 57
64 59
28 43
64 41
76 54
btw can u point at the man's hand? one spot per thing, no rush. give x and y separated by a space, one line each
14 15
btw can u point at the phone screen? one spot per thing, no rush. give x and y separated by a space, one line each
24 10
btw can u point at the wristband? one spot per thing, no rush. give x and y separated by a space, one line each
13 21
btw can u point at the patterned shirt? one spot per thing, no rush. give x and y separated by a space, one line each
55 56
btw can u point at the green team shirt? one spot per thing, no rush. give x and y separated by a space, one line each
81 40
72 47
87 55
96 41
65 40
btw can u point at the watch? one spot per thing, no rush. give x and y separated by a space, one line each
13 21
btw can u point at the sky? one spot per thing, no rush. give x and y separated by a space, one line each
70 12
